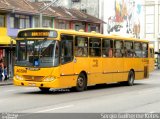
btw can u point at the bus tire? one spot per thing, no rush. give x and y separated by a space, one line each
81 84
131 78
44 89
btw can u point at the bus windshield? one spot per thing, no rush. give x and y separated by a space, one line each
39 53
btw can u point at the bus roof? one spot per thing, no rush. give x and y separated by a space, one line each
89 34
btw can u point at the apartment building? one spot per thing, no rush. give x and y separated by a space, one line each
152 22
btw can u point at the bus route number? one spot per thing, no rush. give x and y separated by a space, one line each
95 63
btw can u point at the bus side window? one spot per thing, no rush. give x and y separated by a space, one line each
118 48
138 49
95 47
81 46
128 49
66 49
144 50
107 48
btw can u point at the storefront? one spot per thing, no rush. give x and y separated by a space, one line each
7 53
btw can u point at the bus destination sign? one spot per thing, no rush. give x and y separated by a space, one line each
37 34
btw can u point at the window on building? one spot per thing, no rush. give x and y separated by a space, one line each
79 26
27 23
47 22
75 0
95 47
107 48
150 18
150 10
22 23
16 22
36 21
61 24
93 27
81 46
2 21
12 22
84 10
19 21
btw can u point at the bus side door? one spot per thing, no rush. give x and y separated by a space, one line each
118 61
95 72
67 64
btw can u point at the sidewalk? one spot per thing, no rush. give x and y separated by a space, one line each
7 82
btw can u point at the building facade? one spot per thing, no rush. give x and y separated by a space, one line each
152 22
88 6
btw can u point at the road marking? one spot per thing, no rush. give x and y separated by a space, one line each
9 90
57 108
152 112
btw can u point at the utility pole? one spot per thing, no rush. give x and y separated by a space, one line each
42 9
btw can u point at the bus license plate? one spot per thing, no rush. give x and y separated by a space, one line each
32 84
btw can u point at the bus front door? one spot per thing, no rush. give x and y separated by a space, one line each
67 77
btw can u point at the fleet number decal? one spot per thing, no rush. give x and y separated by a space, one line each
21 71
95 63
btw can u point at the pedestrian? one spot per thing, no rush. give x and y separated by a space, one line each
1 71
5 73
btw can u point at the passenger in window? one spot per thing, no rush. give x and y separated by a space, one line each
85 52
144 54
80 52
92 52
118 53
127 53
110 52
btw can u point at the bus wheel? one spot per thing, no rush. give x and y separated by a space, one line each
131 78
81 83
44 89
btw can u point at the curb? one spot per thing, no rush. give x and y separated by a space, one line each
3 83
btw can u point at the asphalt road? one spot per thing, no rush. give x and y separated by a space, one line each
143 97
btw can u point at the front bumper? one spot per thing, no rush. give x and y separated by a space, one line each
52 84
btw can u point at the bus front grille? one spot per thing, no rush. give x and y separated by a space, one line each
34 78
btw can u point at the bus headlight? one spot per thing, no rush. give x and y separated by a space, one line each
19 77
47 79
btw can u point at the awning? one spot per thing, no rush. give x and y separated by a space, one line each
6 40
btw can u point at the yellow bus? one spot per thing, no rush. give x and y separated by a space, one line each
151 59
54 58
